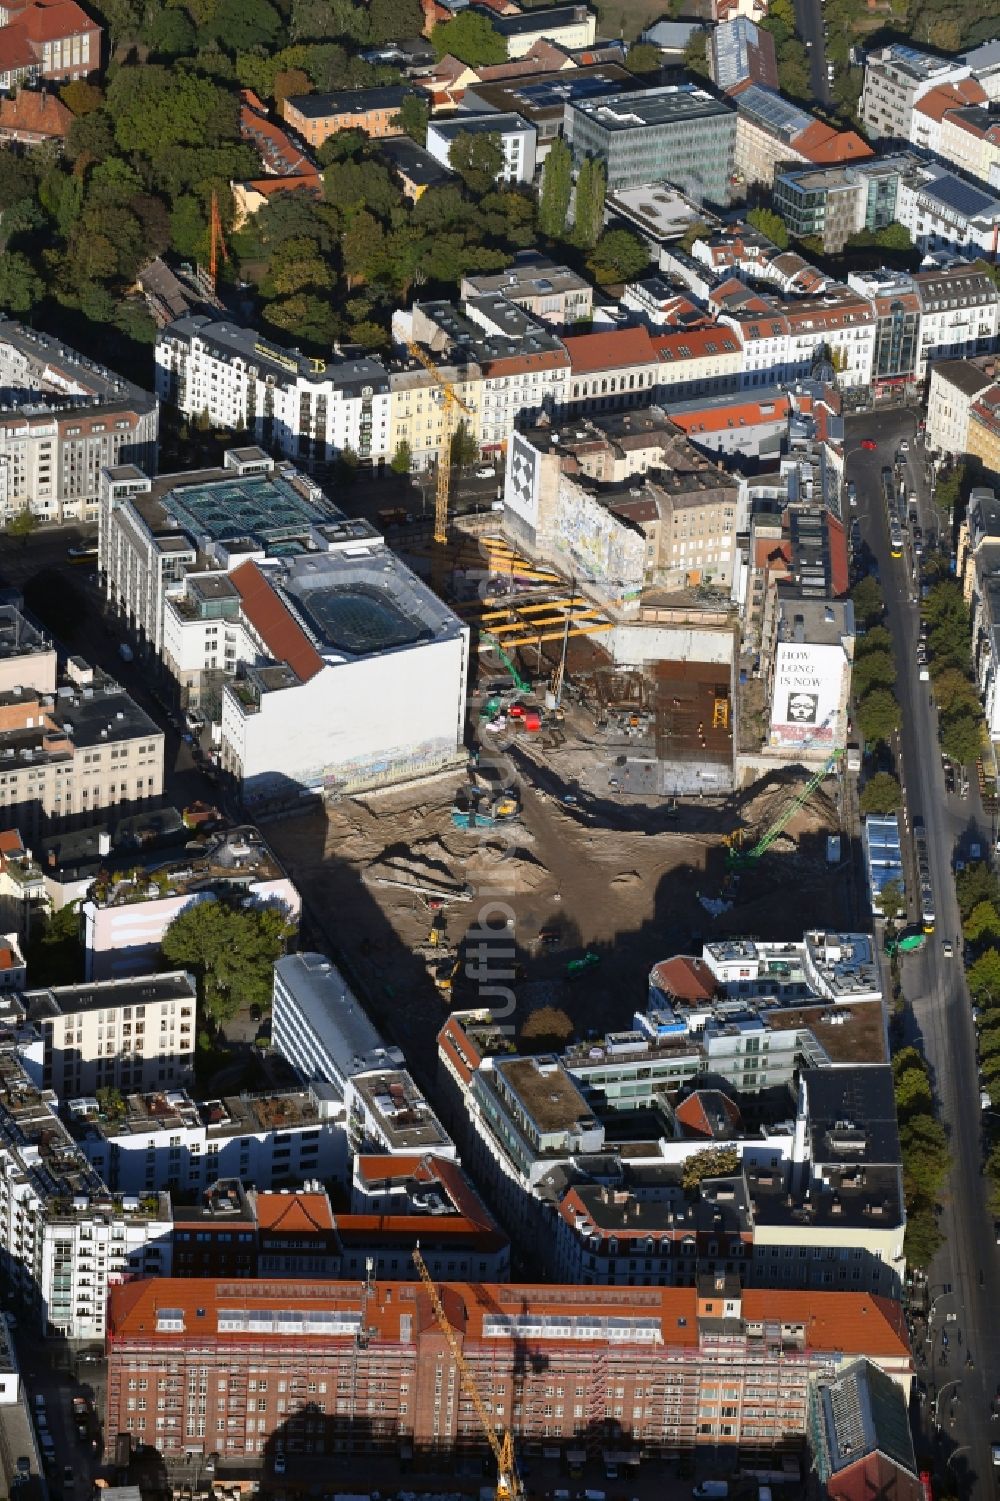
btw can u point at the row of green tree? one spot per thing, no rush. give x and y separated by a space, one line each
924 1148
877 712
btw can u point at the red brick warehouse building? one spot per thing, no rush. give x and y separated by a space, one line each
205 1366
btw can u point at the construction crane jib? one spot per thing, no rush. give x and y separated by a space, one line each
509 1486
452 401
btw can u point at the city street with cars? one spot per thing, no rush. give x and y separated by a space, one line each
958 1349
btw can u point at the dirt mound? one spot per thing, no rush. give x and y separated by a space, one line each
765 801
626 879
505 870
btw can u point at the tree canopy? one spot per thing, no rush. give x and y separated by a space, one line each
882 794
470 38
231 950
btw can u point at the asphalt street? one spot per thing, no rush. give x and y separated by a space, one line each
965 1278
809 25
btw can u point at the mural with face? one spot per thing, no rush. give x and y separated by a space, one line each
802 708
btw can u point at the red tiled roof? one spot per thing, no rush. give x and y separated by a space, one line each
11 842
840 569
306 182
35 113
711 419
685 977
611 350
946 96
821 143
876 1326
298 1213
695 343
693 1115
769 552
50 20
16 51
275 624
852 1323
428 1168
875 1475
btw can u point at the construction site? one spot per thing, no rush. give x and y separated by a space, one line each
561 831
597 828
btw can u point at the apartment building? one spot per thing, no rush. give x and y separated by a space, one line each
386 1112
983 438
771 131
119 1035
984 66
305 408
540 97
62 419
970 141
68 757
398 1199
678 132
547 290
954 385
64 1238
945 212
320 1027
417 406
523 367
665 1369
959 313
56 39
148 1141
896 78
808 672
931 111
756 1016
231 1229
23 897
896 305
132 903
568 27
317 116
516 136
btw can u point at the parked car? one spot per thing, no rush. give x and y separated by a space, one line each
868 443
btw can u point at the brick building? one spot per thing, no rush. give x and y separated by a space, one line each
228 1367
54 40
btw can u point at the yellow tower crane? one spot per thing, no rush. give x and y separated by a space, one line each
452 403
509 1486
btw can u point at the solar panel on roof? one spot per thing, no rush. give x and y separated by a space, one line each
961 196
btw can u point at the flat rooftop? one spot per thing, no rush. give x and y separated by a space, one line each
236 859
847 1034
361 603
401 1111
61 377
173 1109
672 104
331 1009
144 990
545 1091
278 362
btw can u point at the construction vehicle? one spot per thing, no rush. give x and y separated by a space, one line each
484 812
443 974
452 402
739 857
579 966
509 1487
520 684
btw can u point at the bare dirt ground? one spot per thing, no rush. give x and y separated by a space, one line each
592 870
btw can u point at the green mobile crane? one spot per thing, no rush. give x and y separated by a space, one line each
492 704
738 858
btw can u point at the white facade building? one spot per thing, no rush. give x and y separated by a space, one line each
122 1034
359 678
896 77
517 140
810 677
164 1139
954 386
300 406
944 212
320 1027
63 1237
